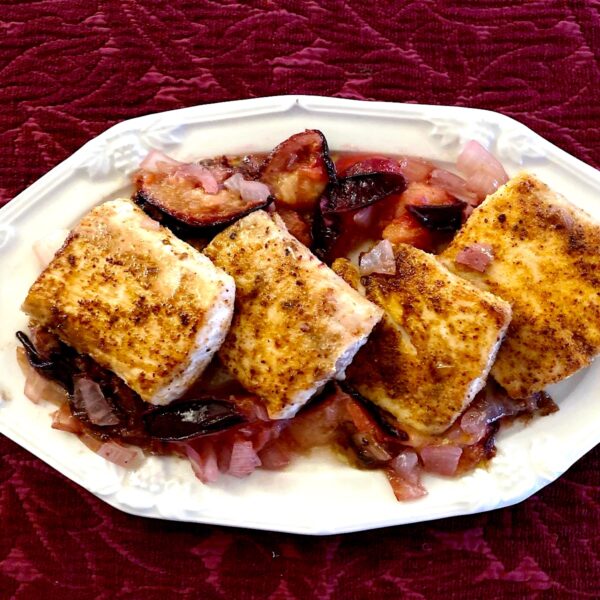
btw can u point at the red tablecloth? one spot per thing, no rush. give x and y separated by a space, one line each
70 69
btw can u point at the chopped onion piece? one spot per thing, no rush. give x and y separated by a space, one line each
202 174
483 183
404 475
476 256
88 394
204 463
244 459
37 387
442 460
250 191
475 423
454 185
365 216
129 457
158 162
380 259
415 169
275 456
405 464
64 420
483 171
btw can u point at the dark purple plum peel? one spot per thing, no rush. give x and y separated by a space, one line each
359 191
180 225
349 194
438 217
191 418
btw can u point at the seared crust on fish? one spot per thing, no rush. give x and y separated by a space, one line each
547 265
138 300
296 323
432 351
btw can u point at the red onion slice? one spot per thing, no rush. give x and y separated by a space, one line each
128 457
244 459
406 464
204 463
158 162
415 169
455 186
442 460
88 394
476 256
364 217
251 191
483 171
64 420
38 388
475 423
380 259
206 178
404 475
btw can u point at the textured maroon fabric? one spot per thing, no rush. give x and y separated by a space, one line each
70 69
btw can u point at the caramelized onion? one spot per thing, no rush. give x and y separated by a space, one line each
204 462
476 256
244 459
88 396
442 460
454 185
157 161
64 420
380 259
484 173
251 191
129 457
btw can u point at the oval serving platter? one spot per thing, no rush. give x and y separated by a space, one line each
317 494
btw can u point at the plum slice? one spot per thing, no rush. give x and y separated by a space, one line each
438 217
191 418
361 190
348 195
196 195
298 170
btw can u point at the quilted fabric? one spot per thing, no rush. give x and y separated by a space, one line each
69 70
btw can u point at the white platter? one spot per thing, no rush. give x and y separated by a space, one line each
316 495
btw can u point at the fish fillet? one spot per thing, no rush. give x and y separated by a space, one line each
138 300
433 349
296 323
547 266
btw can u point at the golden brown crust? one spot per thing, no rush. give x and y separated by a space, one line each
433 348
294 318
128 293
547 265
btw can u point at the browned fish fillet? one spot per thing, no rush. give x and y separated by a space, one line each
137 299
432 351
296 323
547 265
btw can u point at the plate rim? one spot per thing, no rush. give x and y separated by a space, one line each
271 105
